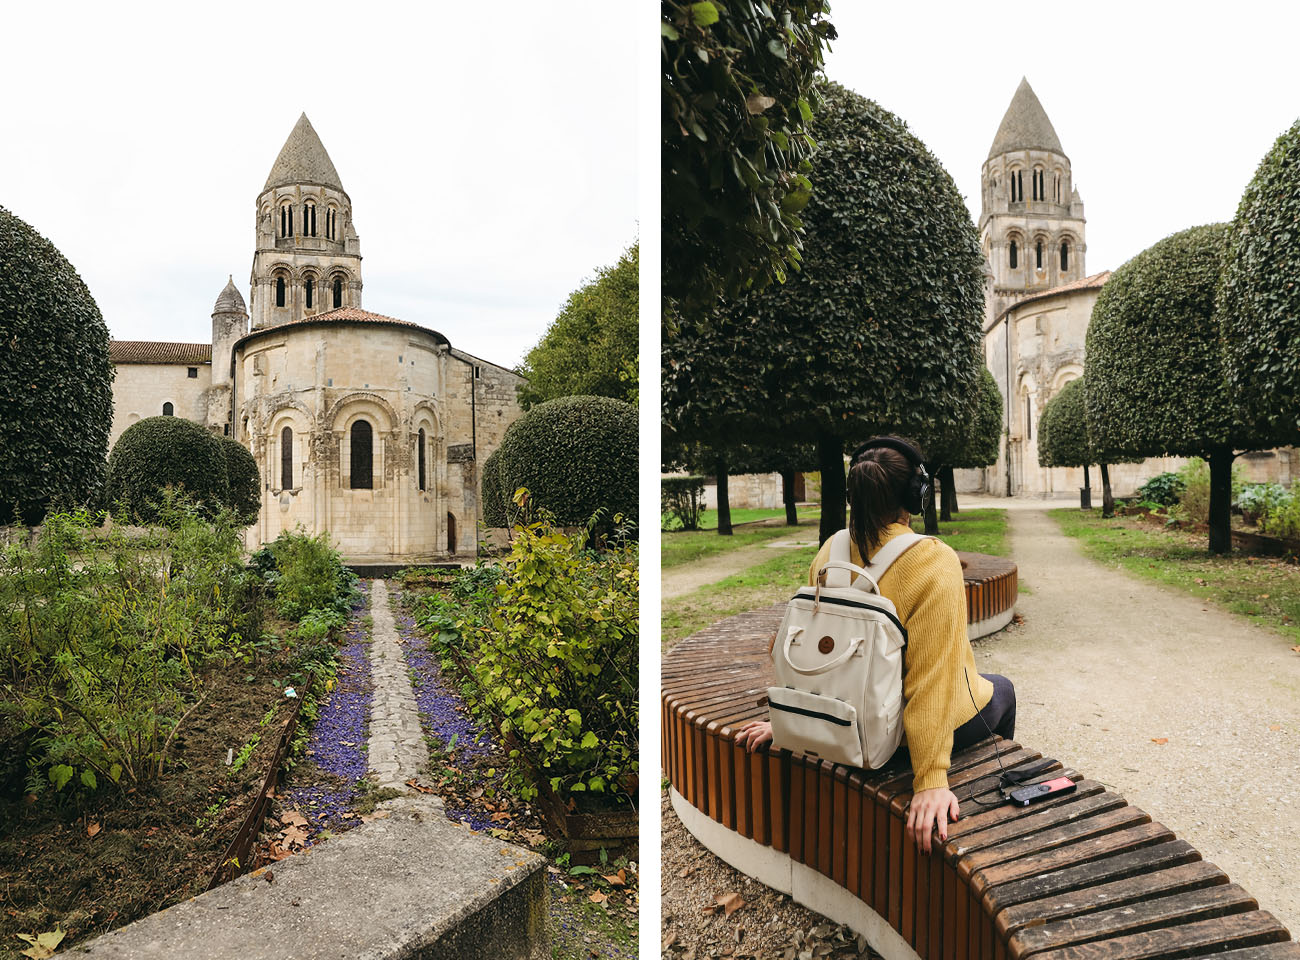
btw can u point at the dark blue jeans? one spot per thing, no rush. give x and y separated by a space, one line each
999 716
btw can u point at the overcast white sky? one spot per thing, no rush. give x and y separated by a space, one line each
1164 111
489 150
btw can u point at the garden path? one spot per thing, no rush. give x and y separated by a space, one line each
1191 712
686 577
396 752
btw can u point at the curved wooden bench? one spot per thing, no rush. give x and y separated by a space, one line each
992 587
1086 876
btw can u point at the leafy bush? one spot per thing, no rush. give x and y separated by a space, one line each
308 576
493 497
1282 518
104 640
553 649
682 498
317 625
577 456
1194 496
243 479
1163 489
1256 499
160 452
56 379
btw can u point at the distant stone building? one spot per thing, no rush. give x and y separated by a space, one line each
1038 303
365 426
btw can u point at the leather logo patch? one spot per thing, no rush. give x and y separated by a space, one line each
826 644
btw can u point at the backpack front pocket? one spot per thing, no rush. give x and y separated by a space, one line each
822 726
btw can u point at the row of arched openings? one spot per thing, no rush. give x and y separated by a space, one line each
1013 254
309 292
361 456
308 227
1038 185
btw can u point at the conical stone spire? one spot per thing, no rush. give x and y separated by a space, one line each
303 159
1025 125
230 300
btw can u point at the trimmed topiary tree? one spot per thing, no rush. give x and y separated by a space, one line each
878 332
575 455
56 379
1259 300
1064 441
161 452
494 501
976 445
1154 380
243 479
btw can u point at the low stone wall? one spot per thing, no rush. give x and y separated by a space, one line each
747 491
412 885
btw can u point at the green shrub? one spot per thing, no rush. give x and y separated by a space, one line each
244 496
56 379
160 452
1163 488
317 625
1282 518
105 639
308 575
554 653
1257 499
576 456
494 501
682 499
1195 488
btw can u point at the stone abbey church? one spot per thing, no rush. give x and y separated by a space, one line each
365 426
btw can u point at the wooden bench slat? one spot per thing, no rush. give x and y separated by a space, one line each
1238 930
1041 846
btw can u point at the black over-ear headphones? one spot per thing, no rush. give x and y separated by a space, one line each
917 488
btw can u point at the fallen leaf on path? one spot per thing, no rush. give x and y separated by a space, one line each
1159 739
616 879
499 817
730 902
598 897
709 911
1275 726
293 818
42 945
377 815
476 793
1296 648
92 828
685 872
419 786
669 940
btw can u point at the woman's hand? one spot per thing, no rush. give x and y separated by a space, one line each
930 809
754 734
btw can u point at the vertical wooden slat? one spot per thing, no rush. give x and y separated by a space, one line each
811 812
853 835
740 776
840 827
825 817
726 814
796 804
778 772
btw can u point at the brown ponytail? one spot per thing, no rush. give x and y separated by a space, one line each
877 481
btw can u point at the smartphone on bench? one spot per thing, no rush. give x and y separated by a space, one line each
1035 792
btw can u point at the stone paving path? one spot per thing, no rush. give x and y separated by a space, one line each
396 752
1106 665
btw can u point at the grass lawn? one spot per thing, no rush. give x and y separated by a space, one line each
1264 589
709 518
685 546
977 531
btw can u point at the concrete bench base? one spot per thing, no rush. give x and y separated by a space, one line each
412 885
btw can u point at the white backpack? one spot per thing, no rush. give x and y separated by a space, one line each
838 660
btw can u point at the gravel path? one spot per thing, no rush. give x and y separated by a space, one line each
686 577
1106 665
397 752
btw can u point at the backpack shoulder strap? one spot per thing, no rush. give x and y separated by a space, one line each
839 577
895 548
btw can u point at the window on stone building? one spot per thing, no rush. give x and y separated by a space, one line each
1038 255
1015 259
420 457
362 456
451 532
1065 255
309 219
309 288
338 292
286 219
286 458
279 291
168 410
1029 421
1037 188
329 224
192 373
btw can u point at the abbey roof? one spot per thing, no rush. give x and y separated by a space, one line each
341 316
1094 282
1025 125
303 159
230 300
158 351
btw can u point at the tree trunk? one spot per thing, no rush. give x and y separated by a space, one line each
931 517
947 495
1107 500
787 494
1221 499
830 457
724 505
1085 495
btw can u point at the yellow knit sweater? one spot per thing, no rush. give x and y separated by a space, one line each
926 587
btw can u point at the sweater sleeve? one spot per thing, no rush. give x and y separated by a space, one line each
936 628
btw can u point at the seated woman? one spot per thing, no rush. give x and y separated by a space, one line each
947 705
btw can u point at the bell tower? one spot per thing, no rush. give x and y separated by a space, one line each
1031 216
308 255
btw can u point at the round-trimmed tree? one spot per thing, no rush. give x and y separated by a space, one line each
1259 299
243 480
494 503
974 444
56 379
160 452
575 455
878 332
1154 380
1064 440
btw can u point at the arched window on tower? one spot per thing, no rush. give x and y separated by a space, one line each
362 456
329 223
279 291
1065 255
286 219
1015 259
1037 177
309 290
420 456
1038 255
338 292
309 219
286 458
168 409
